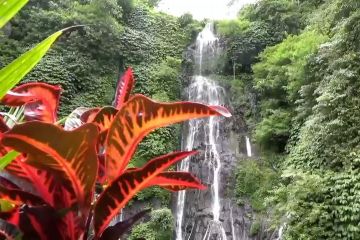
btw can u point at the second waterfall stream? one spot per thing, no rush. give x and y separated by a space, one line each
203 134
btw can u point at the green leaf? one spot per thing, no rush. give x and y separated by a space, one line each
15 71
8 8
5 160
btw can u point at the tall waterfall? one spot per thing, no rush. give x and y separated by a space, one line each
204 133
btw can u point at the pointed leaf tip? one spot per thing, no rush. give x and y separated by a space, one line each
124 88
127 185
141 115
223 111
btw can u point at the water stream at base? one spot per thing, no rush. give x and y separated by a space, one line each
204 90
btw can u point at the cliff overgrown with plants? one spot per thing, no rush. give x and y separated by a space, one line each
293 71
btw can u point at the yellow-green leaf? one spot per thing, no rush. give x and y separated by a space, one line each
8 8
6 159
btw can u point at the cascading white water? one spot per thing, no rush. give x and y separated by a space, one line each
204 90
232 223
248 147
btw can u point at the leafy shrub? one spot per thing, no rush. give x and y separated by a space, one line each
160 226
254 182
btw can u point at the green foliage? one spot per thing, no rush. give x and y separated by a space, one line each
314 86
273 131
254 180
280 72
9 8
159 227
255 228
14 72
232 27
155 193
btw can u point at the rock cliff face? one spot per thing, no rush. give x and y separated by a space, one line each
198 216
209 214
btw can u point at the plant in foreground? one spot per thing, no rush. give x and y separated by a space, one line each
69 183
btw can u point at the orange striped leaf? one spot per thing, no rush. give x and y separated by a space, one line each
89 115
121 190
3 125
124 88
42 181
20 197
137 118
116 231
177 181
41 101
70 155
103 120
9 231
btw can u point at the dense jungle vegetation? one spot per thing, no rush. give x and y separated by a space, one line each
292 68
88 62
293 71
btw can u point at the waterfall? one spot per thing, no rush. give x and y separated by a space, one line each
232 223
204 90
248 146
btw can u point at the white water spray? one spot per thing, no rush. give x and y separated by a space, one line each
204 90
248 147
232 223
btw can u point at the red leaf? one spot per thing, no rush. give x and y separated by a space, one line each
121 190
7 183
101 178
116 231
3 126
103 120
9 231
71 220
40 223
20 197
177 181
69 155
41 101
89 115
124 88
12 216
137 118
42 181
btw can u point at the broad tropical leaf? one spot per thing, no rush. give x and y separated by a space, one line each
42 181
41 101
4 182
20 197
74 119
121 190
137 118
71 227
11 74
40 222
101 171
177 181
116 231
8 9
3 126
70 155
9 231
103 120
124 88
89 115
